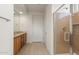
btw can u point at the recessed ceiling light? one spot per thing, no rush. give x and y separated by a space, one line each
21 12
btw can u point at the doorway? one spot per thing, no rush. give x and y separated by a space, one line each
29 29
37 26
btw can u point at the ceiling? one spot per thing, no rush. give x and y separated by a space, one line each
29 7
19 7
35 7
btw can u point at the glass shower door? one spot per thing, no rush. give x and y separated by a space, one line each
62 30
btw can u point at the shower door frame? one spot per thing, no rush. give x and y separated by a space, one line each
71 7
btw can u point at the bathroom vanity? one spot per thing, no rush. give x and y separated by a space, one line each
19 41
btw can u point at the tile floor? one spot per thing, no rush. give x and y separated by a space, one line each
34 49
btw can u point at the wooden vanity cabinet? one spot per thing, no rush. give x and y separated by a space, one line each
15 45
22 42
19 42
25 36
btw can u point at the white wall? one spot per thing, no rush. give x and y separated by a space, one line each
16 22
26 24
48 30
6 29
23 22
37 34
48 22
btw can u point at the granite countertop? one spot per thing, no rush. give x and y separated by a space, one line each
16 34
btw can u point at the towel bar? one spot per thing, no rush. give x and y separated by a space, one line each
5 18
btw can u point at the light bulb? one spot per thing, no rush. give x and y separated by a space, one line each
21 12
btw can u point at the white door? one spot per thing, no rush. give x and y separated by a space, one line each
37 28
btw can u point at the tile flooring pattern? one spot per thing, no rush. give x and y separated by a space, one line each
34 49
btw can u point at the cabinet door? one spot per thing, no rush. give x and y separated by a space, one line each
25 38
15 46
18 43
22 40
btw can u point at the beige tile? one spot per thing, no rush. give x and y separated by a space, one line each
34 49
